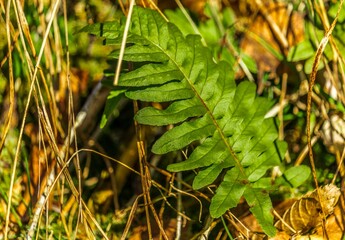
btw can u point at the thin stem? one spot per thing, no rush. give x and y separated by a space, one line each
123 43
15 162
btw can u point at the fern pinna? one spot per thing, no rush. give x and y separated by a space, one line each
206 105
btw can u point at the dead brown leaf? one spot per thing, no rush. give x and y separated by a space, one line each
273 25
307 212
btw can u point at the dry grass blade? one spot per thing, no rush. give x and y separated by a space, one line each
191 195
131 217
10 110
316 62
72 122
123 44
57 3
48 189
24 25
146 179
44 119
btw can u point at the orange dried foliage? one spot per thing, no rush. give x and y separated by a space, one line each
334 228
307 223
79 86
305 216
140 232
41 162
147 3
307 212
260 28
195 6
38 171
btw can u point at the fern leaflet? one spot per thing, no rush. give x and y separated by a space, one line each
226 119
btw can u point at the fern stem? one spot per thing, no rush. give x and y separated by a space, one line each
179 209
226 228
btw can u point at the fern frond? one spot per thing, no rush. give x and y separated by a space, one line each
227 120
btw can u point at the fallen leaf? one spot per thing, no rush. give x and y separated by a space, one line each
307 212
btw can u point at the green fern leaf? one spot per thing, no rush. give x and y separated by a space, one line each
177 112
261 207
229 192
226 120
151 74
141 53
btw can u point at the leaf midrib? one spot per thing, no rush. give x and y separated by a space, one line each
224 139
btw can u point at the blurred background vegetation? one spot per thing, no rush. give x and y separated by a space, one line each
53 78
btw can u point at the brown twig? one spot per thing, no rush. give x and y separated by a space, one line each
141 152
